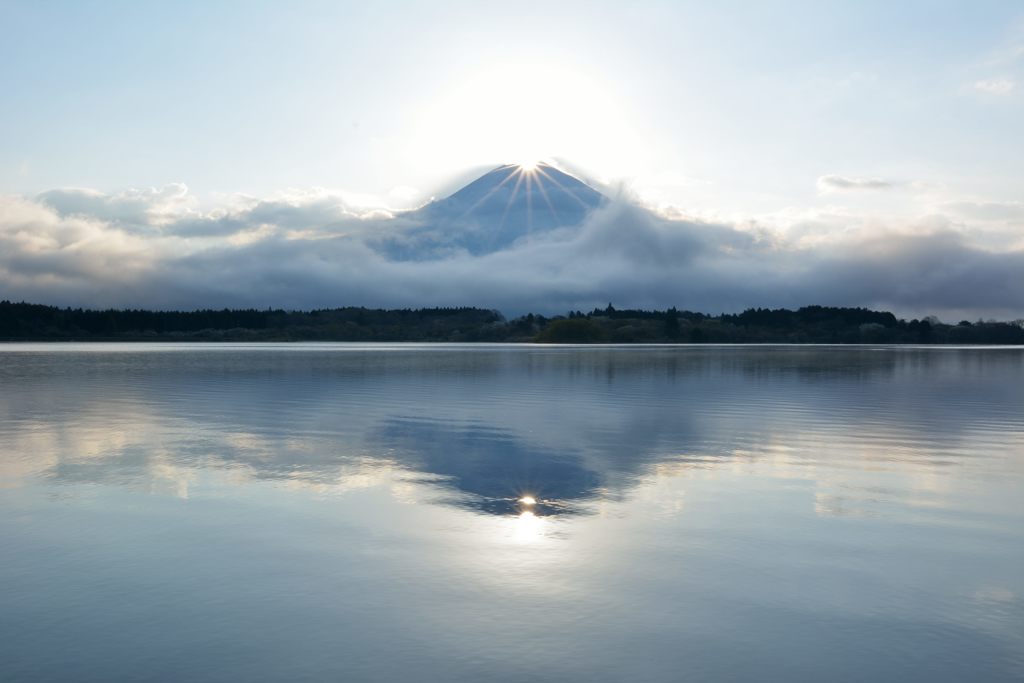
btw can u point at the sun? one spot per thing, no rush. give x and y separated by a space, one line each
502 111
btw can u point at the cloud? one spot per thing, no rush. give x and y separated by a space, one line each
987 211
45 254
304 249
315 211
139 208
994 86
838 183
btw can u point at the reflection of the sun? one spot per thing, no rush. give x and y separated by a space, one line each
528 527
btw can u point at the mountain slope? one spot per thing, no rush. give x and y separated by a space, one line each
510 204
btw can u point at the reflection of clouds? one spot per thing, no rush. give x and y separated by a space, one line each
15 467
169 477
659 490
894 479
997 594
37 447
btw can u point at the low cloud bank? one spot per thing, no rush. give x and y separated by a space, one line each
156 249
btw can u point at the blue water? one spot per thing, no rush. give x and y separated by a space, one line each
510 513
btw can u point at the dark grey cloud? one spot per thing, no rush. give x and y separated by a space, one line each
313 251
933 271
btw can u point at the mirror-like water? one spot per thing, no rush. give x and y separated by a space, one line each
438 513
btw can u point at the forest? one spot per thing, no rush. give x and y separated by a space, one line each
806 325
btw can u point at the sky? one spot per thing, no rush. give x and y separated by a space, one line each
218 153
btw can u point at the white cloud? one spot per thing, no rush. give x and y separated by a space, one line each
838 183
986 210
994 86
49 256
148 207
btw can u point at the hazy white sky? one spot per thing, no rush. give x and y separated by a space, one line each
811 120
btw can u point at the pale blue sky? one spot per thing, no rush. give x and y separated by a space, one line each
742 105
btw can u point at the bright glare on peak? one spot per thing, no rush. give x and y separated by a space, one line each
528 166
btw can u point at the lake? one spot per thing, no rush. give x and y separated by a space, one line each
510 513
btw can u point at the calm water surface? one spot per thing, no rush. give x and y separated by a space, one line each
363 513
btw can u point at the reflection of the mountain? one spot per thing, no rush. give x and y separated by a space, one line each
484 425
494 468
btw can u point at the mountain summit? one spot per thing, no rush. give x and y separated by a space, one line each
507 205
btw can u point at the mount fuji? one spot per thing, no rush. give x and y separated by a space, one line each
509 205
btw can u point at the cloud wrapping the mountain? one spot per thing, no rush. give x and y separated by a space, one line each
155 249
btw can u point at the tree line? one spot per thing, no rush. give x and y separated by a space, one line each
809 324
